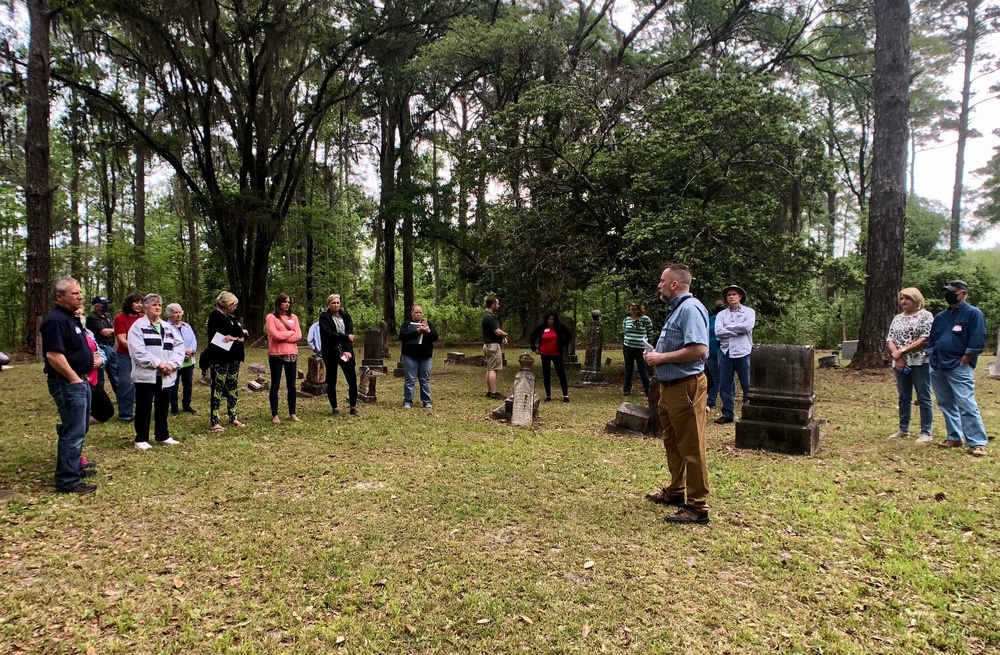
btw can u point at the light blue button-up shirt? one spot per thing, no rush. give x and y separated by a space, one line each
686 324
314 340
735 331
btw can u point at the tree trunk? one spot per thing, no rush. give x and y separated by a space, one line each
406 184
37 190
971 37
140 193
884 264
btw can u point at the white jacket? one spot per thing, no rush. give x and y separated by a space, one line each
149 350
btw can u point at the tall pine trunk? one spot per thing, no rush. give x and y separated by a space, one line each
37 190
884 263
969 47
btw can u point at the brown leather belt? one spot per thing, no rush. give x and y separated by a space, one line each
686 378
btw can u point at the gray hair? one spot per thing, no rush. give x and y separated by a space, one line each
151 298
173 306
63 284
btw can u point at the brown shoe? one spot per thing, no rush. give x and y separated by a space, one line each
978 451
948 443
688 514
664 497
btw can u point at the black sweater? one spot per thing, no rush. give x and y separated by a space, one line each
226 325
334 342
409 336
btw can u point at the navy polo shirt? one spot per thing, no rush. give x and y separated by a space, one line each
62 333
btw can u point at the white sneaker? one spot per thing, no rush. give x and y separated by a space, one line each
142 445
924 438
899 434
169 441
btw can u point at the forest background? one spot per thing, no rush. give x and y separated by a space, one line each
555 154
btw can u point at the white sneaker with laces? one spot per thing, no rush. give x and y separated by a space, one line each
899 434
924 438
142 445
169 441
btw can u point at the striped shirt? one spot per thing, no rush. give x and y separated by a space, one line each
637 329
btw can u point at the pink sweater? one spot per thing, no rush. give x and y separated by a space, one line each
281 340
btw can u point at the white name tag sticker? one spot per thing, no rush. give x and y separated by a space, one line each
78 330
957 328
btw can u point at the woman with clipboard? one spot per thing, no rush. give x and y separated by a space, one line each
223 358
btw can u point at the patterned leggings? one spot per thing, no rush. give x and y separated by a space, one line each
225 382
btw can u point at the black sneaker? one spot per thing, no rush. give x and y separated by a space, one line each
86 473
189 410
174 412
355 412
565 399
80 488
335 412
548 399
722 420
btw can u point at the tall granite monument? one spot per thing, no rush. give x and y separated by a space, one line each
590 374
779 416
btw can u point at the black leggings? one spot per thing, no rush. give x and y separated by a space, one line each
276 363
350 374
547 374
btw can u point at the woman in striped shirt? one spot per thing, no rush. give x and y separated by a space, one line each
636 327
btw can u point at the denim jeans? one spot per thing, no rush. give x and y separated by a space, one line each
712 362
185 377
413 370
918 380
633 359
126 388
729 366
277 364
73 404
110 368
955 390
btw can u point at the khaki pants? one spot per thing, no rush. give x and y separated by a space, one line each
683 421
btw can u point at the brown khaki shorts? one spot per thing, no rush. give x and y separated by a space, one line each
494 360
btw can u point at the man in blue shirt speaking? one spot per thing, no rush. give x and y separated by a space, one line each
958 335
679 361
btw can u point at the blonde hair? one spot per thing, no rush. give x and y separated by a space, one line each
225 299
913 294
331 297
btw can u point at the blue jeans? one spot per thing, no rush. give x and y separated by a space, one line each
73 404
919 380
413 370
126 388
713 368
110 367
728 366
955 390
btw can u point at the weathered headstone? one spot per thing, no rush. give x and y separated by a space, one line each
591 374
636 420
374 351
454 358
779 416
522 410
572 362
315 382
366 388
993 368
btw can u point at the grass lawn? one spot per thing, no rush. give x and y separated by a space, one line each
442 531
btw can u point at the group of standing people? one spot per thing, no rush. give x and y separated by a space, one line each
940 353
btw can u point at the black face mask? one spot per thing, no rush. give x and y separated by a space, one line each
951 297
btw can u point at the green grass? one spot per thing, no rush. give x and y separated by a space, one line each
444 532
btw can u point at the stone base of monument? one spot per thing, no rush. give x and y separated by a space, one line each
779 416
305 394
398 372
778 437
376 365
313 388
590 379
504 412
631 420
830 361
450 358
367 385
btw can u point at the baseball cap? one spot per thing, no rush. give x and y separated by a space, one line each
955 285
100 300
